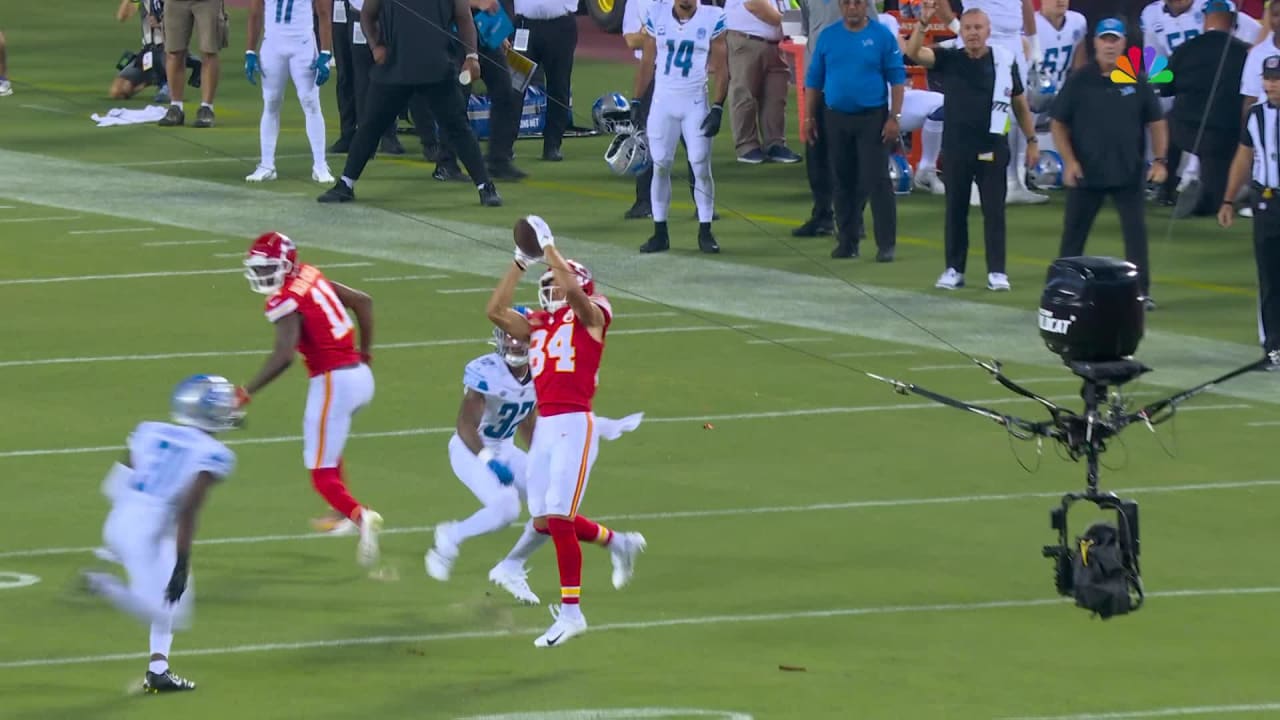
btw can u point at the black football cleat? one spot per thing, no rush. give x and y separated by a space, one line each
166 681
657 243
707 243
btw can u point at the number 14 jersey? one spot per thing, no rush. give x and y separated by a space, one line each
683 47
327 341
565 359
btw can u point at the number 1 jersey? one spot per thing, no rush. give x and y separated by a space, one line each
327 340
683 47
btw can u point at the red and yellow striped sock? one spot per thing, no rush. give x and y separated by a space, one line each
568 557
592 532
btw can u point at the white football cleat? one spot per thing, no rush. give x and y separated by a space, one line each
950 280
513 580
562 630
997 281
6 88
262 174
623 551
1017 194
367 552
322 176
439 559
927 179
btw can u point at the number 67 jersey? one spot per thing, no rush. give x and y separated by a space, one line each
327 340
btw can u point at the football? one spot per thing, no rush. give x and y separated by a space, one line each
527 239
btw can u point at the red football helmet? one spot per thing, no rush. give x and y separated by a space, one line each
547 287
271 260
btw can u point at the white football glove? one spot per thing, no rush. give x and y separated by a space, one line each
524 261
543 230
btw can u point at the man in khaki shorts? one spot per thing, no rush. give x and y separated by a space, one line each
208 20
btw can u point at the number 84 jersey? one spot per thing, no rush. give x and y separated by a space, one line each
683 47
327 340
565 359
507 400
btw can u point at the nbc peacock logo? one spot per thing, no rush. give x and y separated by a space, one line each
1135 62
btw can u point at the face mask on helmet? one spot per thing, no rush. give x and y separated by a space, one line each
550 296
266 275
514 352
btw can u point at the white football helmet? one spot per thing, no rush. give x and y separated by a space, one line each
900 174
1047 174
628 154
612 114
207 402
546 287
271 259
513 351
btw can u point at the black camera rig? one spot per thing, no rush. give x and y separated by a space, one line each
1091 315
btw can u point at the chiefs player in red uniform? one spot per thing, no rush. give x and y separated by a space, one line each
566 342
310 315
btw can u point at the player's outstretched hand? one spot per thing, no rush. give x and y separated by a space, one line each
542 230
523 260
711 123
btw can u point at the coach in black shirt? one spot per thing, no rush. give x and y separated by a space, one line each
410 41
981 85
1206 88
1099 127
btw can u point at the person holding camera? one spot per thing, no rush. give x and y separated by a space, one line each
981 84
1256 154
146 67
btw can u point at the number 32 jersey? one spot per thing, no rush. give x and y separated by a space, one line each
565 359
167 458
683 47
327 341
507 401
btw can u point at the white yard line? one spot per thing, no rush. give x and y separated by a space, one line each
929 368
131 276
111 231
460 291
873 353
1163 712
713 512
168 243
403 278
49 218
778 341
46 108
693 621
37 362
1265 423
620 314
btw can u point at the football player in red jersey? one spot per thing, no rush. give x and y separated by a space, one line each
566 341
310 315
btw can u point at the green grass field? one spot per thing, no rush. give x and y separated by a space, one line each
888 546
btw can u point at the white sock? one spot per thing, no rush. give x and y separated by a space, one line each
931 143
481 522
176 103
158 667
315 129
206 105
349 182
660 193
704 190
571 611
530 540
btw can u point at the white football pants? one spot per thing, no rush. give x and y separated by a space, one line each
281 58
333 398
916 106
561 455
141 534
670 117
501 503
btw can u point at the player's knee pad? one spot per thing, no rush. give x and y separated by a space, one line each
936 114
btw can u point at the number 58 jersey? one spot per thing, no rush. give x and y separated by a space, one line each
327 340
683 47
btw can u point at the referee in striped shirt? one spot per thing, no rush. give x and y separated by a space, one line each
1259 153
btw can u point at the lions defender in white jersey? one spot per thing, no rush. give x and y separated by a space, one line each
156 494
289 50
683 41
498 403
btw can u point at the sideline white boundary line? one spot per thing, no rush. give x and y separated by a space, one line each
112 231
635 625
1162 712
50 218
722 512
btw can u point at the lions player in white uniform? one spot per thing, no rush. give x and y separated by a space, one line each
289 50
498 402
917 106
156 493
683 41
1059 31
1010 21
